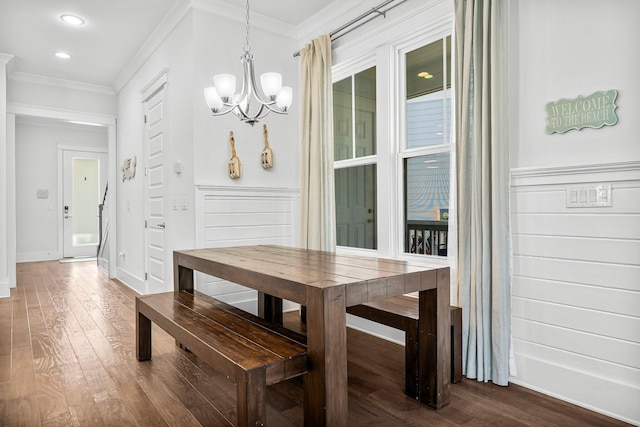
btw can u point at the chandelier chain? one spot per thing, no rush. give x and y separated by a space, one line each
247 48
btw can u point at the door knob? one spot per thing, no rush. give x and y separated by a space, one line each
161 225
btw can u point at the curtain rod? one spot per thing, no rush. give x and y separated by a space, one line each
376 10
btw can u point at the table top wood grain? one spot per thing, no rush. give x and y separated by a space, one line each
290 270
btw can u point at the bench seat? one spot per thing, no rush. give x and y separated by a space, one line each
402 312
246 349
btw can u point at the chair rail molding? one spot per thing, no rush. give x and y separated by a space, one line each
620 171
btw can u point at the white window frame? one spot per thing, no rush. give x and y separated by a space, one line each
402 153
383 50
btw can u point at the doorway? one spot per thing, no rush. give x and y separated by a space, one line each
84 178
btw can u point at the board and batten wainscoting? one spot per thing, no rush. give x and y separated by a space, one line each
576 287
243 216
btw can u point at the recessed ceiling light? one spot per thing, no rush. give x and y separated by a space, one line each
72 19
63 55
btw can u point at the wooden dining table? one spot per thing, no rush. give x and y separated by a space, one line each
327 283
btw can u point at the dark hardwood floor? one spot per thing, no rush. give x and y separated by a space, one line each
67 357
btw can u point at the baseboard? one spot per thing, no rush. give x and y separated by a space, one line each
376 329
103 264
37 256
131 280
4 290
542 376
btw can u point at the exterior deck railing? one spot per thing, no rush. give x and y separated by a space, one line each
426 237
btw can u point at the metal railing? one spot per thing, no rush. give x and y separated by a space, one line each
426 237
101 235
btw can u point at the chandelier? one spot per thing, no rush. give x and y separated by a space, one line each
250 105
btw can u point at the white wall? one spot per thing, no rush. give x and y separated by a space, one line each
176 55
37 168
219 43
576 299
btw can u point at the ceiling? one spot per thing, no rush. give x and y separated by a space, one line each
114 31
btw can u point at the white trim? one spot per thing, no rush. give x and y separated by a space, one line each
54 113
621 171
516 380
61 148
21 76
11 199
358 161
238 14
245 191
131 280
4 290
169 23
37 256
5 58
156 83
65 147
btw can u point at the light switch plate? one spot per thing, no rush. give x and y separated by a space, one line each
590 195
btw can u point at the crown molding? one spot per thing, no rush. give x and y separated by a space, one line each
20 76
334 15
235 13
169 23
5 58
57 113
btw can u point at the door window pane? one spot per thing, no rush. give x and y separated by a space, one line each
85 201
355 207
426 191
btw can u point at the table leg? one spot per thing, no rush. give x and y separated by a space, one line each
434 366
182 276
270 308
325 385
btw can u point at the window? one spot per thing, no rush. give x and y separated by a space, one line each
392 154
426 156
354 121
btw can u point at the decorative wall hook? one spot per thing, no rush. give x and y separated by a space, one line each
235 167
267 154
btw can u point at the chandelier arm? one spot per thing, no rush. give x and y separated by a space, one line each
277 110
248 61
222 112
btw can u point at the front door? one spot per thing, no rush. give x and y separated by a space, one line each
84 175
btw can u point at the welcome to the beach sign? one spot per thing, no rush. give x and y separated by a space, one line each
593 111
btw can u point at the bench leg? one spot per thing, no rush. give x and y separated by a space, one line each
411 360
143 337
251 392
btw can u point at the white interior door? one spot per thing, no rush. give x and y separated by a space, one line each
155 122
84 176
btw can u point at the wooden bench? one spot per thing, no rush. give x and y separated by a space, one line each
245 348
401 312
